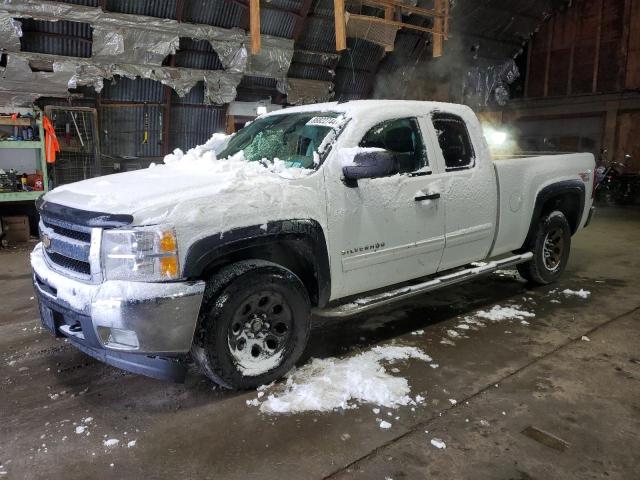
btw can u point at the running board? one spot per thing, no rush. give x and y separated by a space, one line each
364 304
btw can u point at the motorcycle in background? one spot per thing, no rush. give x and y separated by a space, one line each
614 184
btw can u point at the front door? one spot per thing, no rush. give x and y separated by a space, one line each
384 231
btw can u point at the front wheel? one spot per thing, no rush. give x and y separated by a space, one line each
550 245
254 324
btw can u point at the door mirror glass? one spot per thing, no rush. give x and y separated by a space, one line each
371 164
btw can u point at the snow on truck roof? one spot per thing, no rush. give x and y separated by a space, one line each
359 107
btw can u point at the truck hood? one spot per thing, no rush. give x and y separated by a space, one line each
182 191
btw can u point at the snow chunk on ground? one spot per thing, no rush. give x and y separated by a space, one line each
576 293
112 442
131 444
436 442
339 383
385 425
499 313
80 429
585 338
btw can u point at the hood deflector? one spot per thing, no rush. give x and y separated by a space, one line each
82 217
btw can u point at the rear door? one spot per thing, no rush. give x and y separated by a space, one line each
386 230
469 191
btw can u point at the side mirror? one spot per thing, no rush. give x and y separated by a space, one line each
372 164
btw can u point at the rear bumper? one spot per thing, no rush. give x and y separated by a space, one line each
144 328
589 217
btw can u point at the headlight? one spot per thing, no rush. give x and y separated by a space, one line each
140 254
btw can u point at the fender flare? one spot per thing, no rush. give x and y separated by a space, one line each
203 252
554 190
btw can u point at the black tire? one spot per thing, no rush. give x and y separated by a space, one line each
254 324
548 263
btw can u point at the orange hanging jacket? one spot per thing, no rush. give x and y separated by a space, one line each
51 145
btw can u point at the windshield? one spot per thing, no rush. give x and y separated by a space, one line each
295 139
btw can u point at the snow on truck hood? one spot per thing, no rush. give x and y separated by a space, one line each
186 186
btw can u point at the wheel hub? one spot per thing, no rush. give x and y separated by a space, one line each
260 331
553 249
258 323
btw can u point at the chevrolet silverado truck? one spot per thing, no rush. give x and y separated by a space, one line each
225 253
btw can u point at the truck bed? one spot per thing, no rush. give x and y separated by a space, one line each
520 179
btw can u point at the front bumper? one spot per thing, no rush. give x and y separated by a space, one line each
139 327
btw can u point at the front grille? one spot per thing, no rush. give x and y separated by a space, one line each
67 232
67 263
68 248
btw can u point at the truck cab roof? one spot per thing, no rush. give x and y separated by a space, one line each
365 107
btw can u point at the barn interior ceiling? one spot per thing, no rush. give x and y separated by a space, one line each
183 43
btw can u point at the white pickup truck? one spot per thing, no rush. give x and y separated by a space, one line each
225 252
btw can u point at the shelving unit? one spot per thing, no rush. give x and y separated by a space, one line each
6 146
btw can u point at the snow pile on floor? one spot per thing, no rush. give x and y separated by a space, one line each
436 442
341 383
576 293
112 442
499 313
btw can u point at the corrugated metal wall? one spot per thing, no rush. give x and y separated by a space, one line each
222 13
122 130
152 8
124 89
193 125
58 38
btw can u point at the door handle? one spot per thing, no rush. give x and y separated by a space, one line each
430 196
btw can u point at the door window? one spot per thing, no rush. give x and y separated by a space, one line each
454 141
401 137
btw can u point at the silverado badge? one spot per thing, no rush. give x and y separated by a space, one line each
365 248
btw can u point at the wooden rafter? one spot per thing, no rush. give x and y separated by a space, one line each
254 25
438 25
392 9
341 25
425 12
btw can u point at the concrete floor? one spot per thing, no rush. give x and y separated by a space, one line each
505 377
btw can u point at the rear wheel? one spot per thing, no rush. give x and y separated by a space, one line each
550 245
254 324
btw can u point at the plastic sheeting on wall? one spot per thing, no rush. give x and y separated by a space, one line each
484 85
21 86
301 91
146 47
140 39
221 85
274 58
10 32
135 46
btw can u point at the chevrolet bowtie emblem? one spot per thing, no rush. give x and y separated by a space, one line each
46 241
